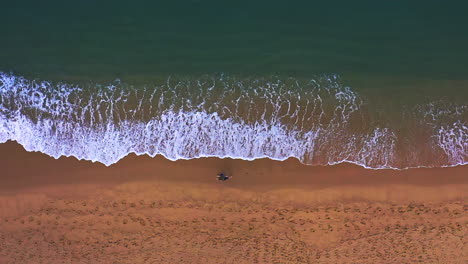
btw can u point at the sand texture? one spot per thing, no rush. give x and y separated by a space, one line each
155 211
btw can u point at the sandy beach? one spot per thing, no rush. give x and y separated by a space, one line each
151 210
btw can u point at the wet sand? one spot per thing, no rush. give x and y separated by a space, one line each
145 210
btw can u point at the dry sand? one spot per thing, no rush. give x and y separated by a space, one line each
145 210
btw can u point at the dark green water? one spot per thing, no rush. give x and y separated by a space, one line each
84 39
406 60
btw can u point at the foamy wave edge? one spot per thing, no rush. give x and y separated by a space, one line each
107 144
241 158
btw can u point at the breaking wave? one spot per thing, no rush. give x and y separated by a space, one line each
318 121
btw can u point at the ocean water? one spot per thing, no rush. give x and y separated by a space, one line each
378 85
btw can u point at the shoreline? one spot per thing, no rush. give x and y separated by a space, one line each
19 164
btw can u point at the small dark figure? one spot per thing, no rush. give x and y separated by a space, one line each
223 177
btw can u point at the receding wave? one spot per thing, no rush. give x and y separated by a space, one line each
318 121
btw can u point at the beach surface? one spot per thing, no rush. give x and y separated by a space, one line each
152 210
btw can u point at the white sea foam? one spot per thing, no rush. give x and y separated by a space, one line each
210 117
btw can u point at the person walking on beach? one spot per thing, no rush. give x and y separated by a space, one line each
223 177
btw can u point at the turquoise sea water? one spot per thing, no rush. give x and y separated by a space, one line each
383 85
